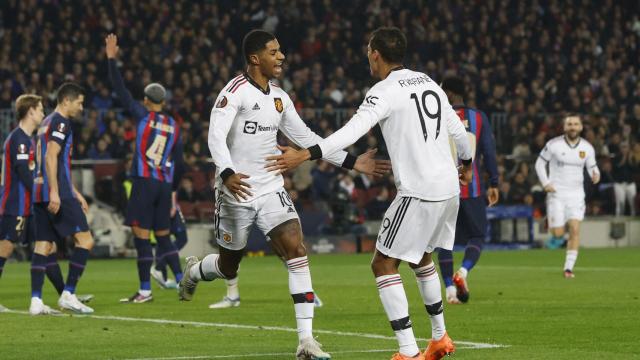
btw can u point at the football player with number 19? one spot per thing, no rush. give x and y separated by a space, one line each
416 120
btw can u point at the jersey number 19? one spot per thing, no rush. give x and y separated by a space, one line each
435 115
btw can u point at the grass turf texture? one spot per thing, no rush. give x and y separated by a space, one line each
518 299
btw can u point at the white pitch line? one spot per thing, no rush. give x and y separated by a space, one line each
257 355
555 268
465 344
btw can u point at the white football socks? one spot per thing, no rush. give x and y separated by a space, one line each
429 285
207 267
233 292
301 291
570 259
394 301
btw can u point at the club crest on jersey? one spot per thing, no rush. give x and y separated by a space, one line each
279 104
61 127
582 154
226 238
22 149
222 102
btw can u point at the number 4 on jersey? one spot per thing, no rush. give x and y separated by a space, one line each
156 150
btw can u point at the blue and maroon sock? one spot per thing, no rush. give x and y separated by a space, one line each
76 268
145 259
38 268
445 260
472 253
170 255
54 274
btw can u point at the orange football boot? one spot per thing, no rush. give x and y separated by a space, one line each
437 349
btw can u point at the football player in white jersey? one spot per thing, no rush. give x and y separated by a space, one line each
245 120
567 157
417 120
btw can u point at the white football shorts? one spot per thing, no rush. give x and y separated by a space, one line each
561 209
233 221
412 227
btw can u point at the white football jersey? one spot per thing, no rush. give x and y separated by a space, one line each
417 120
566 165
243 132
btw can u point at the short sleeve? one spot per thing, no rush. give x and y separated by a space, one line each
59 130
20 151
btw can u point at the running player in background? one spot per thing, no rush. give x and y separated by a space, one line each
471 225
567 157
416 120
243 132
156 170
59 208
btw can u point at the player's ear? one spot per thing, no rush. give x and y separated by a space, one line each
254 59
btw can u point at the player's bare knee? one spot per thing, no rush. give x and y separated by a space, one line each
383 265
287 237
574 229
557 232
163 232
295 251
84 240
6 248
426 260
42 248
54 248
140 233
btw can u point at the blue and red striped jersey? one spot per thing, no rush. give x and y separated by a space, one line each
156 138
158 153
56 128
17 174
481 138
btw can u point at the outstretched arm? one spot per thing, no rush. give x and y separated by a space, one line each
112 49
369 114
296 130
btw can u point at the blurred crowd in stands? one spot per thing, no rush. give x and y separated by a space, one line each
525 63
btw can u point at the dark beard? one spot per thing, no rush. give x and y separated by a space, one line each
572 138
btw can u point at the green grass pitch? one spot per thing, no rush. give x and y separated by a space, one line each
519 300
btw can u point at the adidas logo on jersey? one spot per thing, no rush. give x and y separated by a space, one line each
256 107
290 210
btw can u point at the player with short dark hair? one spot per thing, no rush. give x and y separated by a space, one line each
245 121
471 224
156 170
416 120
59 208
